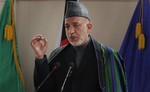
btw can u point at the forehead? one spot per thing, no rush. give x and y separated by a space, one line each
75 19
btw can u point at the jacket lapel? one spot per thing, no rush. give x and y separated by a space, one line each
100 64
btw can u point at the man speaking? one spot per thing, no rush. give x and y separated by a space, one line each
83 65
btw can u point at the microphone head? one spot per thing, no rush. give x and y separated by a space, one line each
71 64
57 65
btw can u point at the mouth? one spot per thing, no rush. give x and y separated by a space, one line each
74 38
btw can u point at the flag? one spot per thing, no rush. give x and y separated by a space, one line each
11 79
135 49
64 40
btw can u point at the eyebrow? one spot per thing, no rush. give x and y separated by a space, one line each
76 23
73 23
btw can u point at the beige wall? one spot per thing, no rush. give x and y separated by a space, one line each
110 20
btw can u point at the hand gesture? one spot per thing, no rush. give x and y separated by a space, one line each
39 45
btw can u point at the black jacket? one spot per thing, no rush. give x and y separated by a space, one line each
83 79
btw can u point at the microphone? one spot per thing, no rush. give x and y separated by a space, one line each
71 65
56 66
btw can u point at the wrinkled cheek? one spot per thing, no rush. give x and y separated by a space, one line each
67 35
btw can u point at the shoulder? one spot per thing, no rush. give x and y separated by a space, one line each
55 52
110 53
107 52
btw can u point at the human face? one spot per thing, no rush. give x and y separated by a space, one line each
77 30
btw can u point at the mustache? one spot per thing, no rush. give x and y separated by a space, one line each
73 35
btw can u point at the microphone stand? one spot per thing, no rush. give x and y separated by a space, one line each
68 73
45 79
56 66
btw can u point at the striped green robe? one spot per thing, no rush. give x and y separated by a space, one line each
111 69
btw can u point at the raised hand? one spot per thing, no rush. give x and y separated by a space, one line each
39 45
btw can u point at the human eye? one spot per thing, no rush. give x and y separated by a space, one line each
66 26
76 25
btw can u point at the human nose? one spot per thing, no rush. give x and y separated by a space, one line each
71 30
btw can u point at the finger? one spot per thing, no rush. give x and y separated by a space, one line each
46 43
42 42
32 41
40 37
35 41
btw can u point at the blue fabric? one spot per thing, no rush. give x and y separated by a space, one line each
137 62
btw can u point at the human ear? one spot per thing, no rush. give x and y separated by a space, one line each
89 26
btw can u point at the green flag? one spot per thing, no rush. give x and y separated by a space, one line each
11 79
